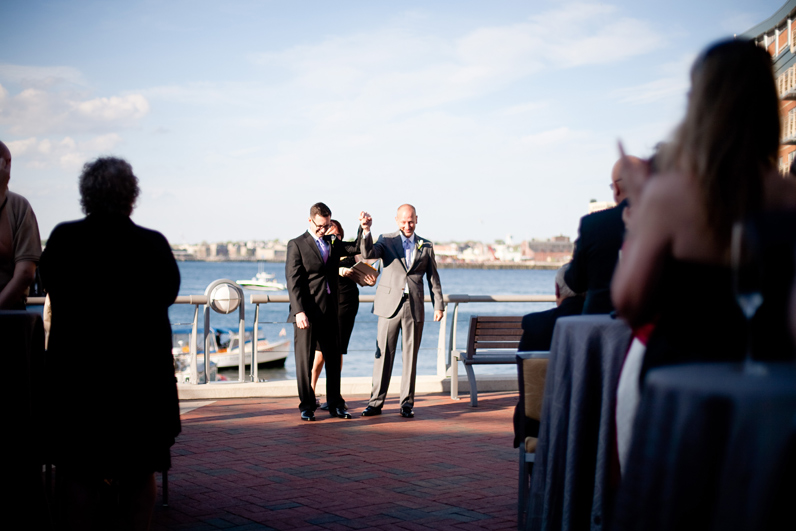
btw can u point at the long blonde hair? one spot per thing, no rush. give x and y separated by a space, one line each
729 138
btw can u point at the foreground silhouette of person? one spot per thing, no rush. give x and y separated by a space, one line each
115 412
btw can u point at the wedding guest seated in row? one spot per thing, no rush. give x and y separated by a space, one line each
719 168
600 237
537 327
20 243
114 410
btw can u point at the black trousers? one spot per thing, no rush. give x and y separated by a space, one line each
323 332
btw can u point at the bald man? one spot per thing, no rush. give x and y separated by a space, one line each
600 237
20 243
407 258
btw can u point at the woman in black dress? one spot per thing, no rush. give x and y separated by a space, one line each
114 410
348 303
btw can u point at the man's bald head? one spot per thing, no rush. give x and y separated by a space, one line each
618 185
406 218
5 153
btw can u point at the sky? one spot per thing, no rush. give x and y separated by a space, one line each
492 118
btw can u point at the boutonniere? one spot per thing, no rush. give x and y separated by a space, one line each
333 239
419 244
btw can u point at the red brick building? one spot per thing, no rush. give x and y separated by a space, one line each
777 34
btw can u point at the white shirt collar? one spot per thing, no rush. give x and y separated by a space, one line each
315 237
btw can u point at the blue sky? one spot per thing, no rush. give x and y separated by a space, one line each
492 118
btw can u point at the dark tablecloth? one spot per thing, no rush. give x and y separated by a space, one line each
712 449
22 347
570 480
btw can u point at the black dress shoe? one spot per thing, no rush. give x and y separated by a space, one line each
325 406
406 412
307 415
371 411
339 412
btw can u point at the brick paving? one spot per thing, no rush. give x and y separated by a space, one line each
244 464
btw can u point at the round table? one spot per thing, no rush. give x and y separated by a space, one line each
713 448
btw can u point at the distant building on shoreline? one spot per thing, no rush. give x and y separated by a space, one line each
777 34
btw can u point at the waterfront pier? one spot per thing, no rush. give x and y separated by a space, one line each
250 464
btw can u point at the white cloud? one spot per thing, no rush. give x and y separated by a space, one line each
66 153
672 85
653 91
37 111
40 76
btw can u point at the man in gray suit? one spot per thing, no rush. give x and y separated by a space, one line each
407 258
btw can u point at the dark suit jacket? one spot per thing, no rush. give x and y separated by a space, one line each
307 275
537 327
600 238
111 283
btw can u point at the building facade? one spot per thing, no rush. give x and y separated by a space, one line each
777 34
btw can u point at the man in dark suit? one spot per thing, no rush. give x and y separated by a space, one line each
311 270
537 327
407 258
600 237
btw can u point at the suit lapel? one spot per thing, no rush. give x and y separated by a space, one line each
398 245
417 252
310 242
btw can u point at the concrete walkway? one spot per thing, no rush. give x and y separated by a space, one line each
250 463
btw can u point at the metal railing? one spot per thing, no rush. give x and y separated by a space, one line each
446 342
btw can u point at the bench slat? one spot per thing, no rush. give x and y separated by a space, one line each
496 333
513 337
513 324
496 344
507 319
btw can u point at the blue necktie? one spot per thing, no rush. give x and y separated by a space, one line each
324 256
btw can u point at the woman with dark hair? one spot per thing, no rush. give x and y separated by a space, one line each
348 297
115 412
720 168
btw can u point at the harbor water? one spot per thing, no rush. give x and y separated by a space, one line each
359 361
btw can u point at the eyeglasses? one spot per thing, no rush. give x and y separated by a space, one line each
612 185
324 227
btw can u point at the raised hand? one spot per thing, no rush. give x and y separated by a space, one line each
365 220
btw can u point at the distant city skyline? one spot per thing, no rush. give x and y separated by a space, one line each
238 116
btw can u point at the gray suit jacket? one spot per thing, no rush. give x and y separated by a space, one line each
395 275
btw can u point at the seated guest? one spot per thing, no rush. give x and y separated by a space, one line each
537 327
718 169
596 250
114 408
20 244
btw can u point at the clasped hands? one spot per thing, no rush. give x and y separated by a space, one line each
365 220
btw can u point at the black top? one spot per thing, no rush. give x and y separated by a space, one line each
600 238
114 401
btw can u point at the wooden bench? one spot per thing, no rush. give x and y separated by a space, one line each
490 340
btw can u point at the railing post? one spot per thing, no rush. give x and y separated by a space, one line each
443 328
242 341
194 374
452 340
255 333
207 343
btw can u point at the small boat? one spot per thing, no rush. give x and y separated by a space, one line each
225 348
262 281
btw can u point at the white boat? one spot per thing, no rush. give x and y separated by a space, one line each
262 281
225 348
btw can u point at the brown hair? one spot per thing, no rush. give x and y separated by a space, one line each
339 228
730 135
320 209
